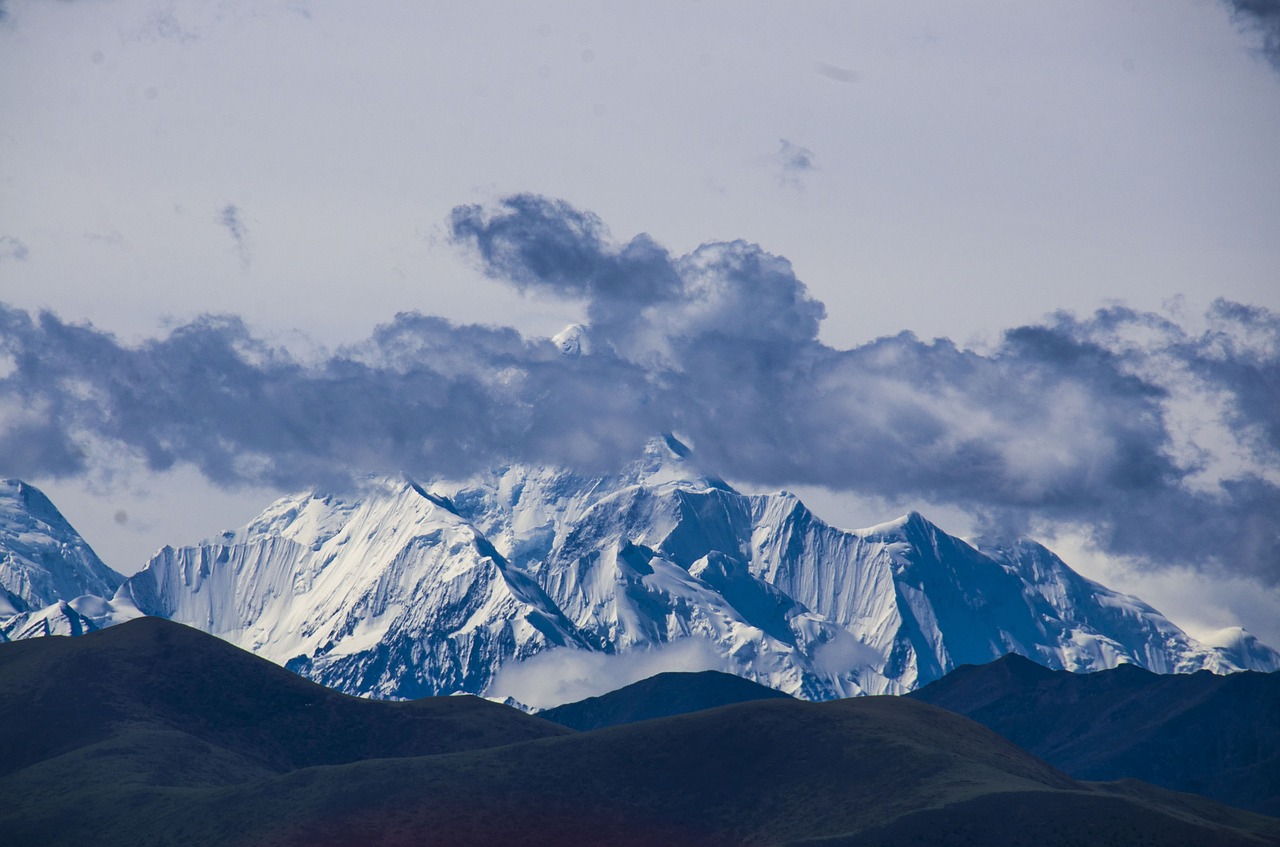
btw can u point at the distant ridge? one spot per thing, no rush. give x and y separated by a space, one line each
660 696
1218 736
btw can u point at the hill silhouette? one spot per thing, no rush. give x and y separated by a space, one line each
660 696
152 733
1213 735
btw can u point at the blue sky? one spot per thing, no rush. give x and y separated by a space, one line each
707 184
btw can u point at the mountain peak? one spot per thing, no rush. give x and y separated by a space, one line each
909 524
573 341
16 495
44 559
1243 649
667 459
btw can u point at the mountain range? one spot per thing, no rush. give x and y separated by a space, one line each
407 589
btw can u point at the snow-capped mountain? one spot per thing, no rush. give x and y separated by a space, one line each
77 616
406 590
410 589
390 595
1242 649
45 566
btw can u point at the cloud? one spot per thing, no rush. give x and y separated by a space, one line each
1160 442
163 24
794 158
566 675
836 72
795 162
642 301
5 14
231 220
421 395
10 247
844 653
1262 16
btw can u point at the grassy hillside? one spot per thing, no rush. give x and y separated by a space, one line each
1212 735
159 735
149 676
660 696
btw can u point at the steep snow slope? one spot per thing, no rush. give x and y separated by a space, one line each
929 602
1242 649
629 561
408 590
390 595
43 561
81 615
1099 628
879 610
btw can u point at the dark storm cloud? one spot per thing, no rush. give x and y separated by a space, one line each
1239 353
1262 16
1078 420
421 395
543 244
1067 421
640 300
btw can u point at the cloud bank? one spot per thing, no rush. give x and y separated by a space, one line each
1160 439
1263 16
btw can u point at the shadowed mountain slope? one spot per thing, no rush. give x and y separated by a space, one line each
59 695
1213 735
150 733
660 696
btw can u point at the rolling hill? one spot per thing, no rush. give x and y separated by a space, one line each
152 733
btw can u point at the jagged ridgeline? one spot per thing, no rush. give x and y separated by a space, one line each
412 588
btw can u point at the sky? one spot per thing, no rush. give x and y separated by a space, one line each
1013 265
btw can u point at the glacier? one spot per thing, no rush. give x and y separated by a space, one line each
408 589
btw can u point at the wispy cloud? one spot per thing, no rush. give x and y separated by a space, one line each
163 24
231 220
12 248
836 72
1160 441
794 162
